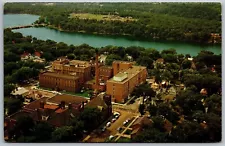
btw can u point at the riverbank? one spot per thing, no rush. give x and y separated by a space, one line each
130 37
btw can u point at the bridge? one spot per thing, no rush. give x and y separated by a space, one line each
27 26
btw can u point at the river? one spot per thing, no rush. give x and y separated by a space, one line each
43 33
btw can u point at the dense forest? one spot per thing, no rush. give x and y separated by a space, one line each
191 22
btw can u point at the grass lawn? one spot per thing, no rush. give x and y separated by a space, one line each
84 94
100 17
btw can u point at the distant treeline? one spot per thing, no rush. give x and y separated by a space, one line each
191 22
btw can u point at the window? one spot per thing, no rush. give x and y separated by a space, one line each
44 118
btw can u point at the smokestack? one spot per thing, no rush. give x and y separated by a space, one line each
107 99
70 106
96 73
63 103
42 104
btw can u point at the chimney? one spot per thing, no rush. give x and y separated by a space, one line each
63 103
107 99
70 106
96 73
82 104
42 104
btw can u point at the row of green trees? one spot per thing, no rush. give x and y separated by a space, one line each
192 22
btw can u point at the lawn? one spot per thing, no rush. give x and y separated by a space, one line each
100 17
84 94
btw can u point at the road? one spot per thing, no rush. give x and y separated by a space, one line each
119 135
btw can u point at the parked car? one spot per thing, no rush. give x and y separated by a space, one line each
103 129
118 129
116 113
113 120
108 124
111 137
117 116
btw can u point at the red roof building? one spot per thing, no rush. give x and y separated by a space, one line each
36 53
24 54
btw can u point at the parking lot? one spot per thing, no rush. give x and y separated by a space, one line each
112 129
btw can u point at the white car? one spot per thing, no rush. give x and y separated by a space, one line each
116 113
108 124
111 137
117 116
113 120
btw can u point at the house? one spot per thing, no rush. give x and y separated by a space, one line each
164 83
102 58
160 61
38 54
155 86
35 57
203 91
24 55
168 126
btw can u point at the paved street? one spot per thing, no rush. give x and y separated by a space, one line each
122 134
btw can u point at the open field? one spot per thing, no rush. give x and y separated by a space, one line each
101 17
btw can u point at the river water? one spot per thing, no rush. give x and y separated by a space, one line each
43 33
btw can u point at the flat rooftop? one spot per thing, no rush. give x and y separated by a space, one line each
105 67
19 91
124 62
130 73
59 75
79 63
67 98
